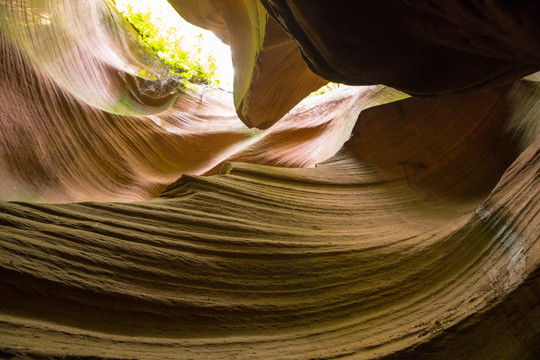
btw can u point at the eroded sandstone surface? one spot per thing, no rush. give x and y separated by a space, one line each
141 219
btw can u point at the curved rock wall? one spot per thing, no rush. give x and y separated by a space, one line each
270 76
421 47
345 259
78 125
418 239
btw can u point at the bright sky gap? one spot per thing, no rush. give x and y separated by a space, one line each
170 24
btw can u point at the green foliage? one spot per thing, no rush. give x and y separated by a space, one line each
168 47
326 88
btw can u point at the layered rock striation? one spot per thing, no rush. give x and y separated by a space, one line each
359 224
424 48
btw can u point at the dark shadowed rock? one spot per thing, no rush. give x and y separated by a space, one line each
420 47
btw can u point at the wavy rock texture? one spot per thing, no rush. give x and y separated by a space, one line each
418 239
120 137
420 47
260 262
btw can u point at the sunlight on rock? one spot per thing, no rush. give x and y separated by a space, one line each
145 214
200 44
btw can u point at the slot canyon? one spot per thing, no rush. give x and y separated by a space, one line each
395 217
